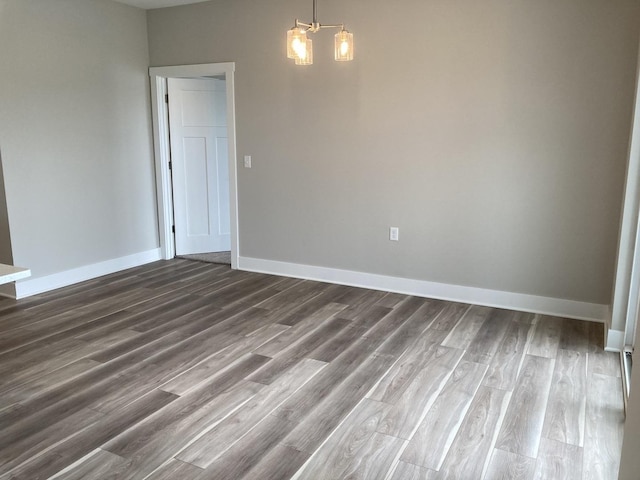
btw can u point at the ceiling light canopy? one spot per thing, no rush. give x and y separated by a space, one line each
299 45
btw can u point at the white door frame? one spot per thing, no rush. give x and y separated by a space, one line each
161 146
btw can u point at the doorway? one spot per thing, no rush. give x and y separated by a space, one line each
219 217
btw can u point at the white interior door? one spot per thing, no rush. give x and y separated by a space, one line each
200 164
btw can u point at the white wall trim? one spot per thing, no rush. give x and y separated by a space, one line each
479 296
614 341
159 108
626 287
26 288
163 176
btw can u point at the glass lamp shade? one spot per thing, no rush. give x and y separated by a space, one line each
306 58
296 42
344 46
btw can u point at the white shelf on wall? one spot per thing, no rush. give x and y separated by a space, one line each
9 273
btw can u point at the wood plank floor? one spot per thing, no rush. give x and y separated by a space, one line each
186 370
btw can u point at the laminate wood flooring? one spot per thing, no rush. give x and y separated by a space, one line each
187 370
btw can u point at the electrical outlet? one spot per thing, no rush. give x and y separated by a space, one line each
394 234
247 161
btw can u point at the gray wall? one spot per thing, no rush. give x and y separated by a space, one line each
75 132
6 256
494 134
5 238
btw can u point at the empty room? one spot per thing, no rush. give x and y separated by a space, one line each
319 239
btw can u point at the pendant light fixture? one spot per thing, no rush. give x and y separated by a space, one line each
299 45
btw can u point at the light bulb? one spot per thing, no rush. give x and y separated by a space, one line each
306 56
299 48
343 46
296 42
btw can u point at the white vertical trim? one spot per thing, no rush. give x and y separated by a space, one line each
614 341
159 77
160 113
233 164
627 277
633 305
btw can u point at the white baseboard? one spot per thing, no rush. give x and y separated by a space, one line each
33 286
478 296
614 341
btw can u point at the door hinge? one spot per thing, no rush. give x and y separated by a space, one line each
170 165
166 98
173 228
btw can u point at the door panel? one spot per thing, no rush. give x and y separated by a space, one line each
195 186
200 174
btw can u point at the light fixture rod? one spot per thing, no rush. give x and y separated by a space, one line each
314 27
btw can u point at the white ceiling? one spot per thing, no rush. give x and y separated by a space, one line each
147 4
